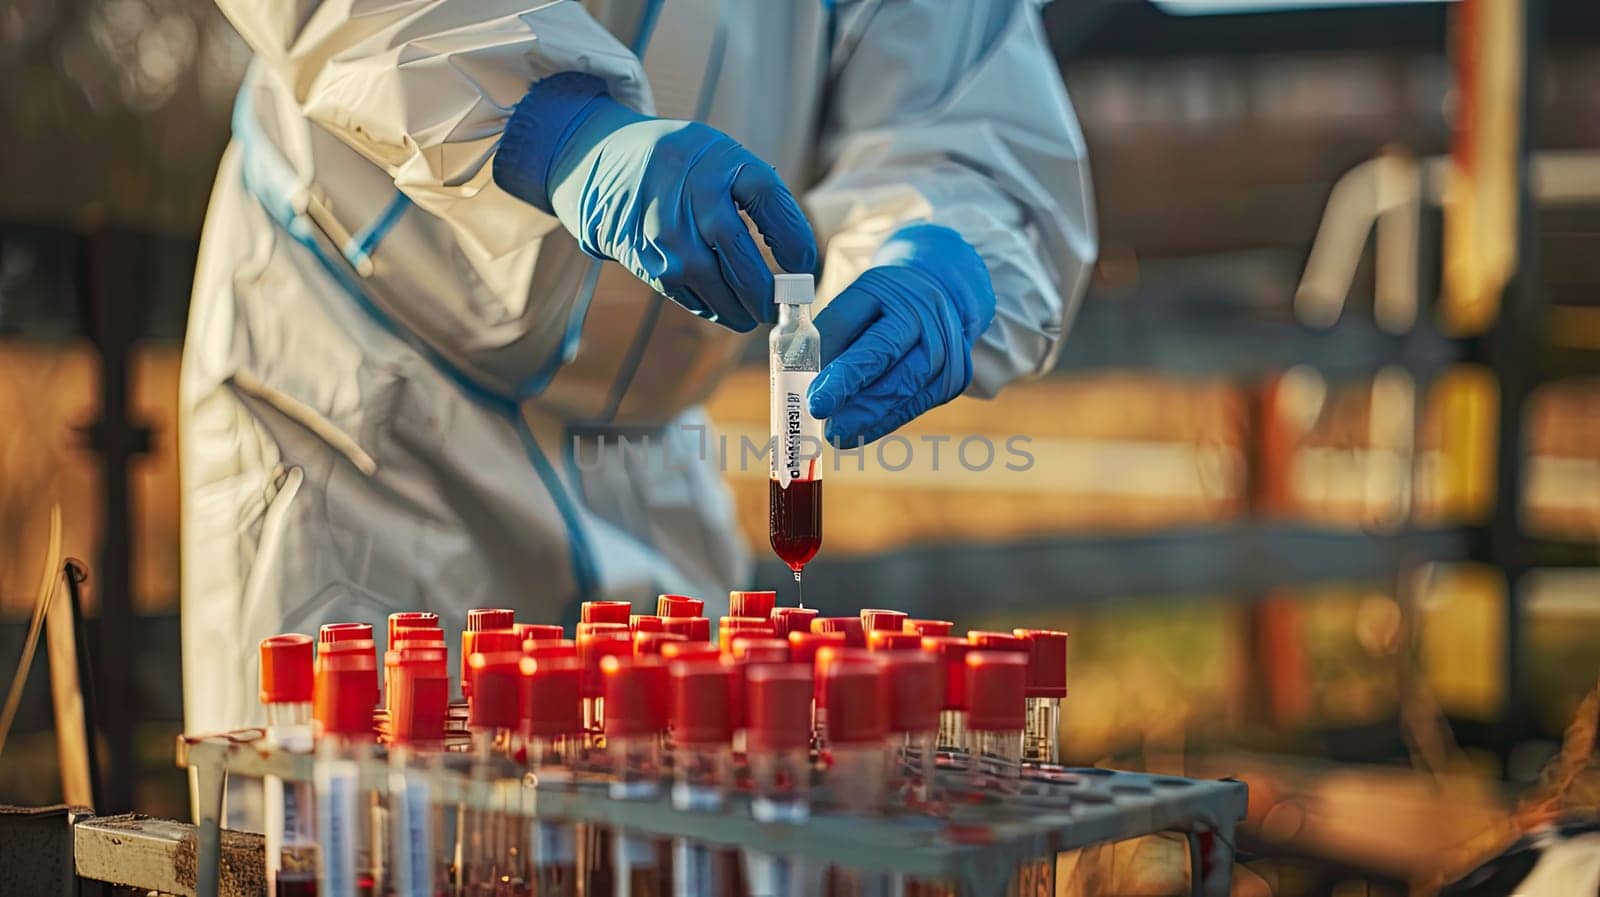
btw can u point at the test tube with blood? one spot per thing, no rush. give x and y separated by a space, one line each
552 710
803 648
915 684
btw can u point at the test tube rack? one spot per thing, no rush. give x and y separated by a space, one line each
974 848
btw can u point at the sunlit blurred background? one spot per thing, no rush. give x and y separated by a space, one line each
1315 515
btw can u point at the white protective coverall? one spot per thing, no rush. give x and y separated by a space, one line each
393 366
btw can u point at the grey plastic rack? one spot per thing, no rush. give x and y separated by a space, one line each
974 847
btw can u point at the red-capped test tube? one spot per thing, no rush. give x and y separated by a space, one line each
419 691
728 627
854 635
702 768
779 739
343 697
593 648
695 629
636 691
291 838
803 648
489 832
893 640
1047 687
552 709
996 714
927 627
952 654
915 683
858 728
344 632
605 612
539 631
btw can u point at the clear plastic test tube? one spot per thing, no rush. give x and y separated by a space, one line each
952 653
1047 687
779 739
345 693
702 728
291 841
553 722
490 860
421 841
635 691
916 693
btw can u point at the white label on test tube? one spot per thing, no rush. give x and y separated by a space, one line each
797 436
336 814
413 852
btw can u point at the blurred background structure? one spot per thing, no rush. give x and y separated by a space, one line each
1318 514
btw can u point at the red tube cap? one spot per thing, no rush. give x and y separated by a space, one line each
286 676
1047 662
645 623
803 646
418 694
344 632
606 628
893 640
829 656
411 618
484 641
751 604
651 643
873 618
687 650
700 702
792 619
997 685
407 635
605 612
755 649
550 648
728 627
636 692
952 652
527 631
927 627
593 650
481 618
346 688
985 640
496 689
854 635
679 606
780 707
858 702
695 629
551 702
916 691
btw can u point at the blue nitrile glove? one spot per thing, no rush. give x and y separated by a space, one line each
898 341
657 196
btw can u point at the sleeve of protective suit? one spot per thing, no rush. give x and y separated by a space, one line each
955 114
423 89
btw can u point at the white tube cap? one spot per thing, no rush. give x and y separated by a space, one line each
793 289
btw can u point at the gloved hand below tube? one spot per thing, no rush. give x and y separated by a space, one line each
898 341
659 197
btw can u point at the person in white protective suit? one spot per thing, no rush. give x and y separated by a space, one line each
454 244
